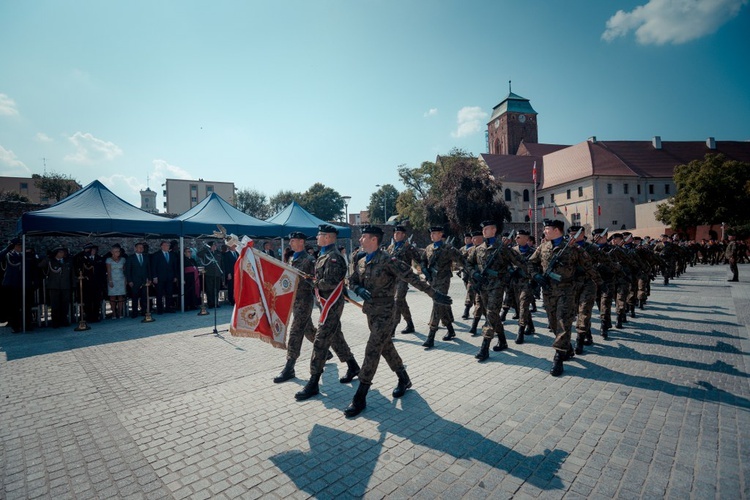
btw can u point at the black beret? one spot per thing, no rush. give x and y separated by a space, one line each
523 232
555 223
598 230
372 230
616 235
297 235
467 234
437 228
663 236
574 229
477 232
506 234
487 223
15 241
637 238
626 234
400 228
327 228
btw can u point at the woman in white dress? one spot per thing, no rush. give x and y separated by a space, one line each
116 281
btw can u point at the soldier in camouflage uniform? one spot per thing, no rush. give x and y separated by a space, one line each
648 262
521 287
477 239
437 261
509 300
302 324
556 258
330 271
608 270
732 254
489 265
586 288
623 278
639 273
374 277
666 250
470 295
404 251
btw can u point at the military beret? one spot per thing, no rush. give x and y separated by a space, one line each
523 232
487 223
372 230
554 223
297 235
506 234
574 229
15 241
467 234
598 230
663 236
476 232
616 235
625 234
327 228
400 228
437 229
637 238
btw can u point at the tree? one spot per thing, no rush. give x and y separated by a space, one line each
55 186
323 202
709 191
386 197
282 199
13 196
253 203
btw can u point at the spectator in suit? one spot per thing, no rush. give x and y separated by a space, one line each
192 281
228 260
137 274
164 270
60 282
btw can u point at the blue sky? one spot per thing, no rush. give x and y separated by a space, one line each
279 95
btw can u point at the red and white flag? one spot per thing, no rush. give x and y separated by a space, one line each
599 209
326 304
264 291
533 173
530 214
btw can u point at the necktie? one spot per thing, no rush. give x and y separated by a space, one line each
166 256
140 259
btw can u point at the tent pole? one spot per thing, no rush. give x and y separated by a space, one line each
182 274
23 283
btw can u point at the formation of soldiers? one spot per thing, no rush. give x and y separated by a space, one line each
570 271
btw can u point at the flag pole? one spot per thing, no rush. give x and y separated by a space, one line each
536 207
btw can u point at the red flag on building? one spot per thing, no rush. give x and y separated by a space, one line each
533 173
530 213
599 208
264 291
554 211
544 210
566 210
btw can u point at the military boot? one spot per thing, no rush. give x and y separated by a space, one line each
409 327
451 333
502 343
632 310
404 382
474 325
530 329
521 333
579 346
359 401
467 309
484 351
351 371
311 388
430 342
287 373
619 320
641 304
557 365
604 328
504 314
515 314
588 339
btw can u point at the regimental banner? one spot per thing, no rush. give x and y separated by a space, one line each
264 291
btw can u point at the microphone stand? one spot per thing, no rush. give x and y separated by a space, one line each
215 332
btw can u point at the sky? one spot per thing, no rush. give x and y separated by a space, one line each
280 94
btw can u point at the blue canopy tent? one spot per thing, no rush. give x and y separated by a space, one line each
296 218
203 219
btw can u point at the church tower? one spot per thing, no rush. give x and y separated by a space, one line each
148 201
512 121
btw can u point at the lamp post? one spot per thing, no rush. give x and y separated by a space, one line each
385 204
346 199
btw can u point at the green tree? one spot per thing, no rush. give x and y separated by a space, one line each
281 200
386 197
323 202
709 191
13 196
253 203
55 186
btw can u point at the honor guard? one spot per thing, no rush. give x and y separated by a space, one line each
586 288
521 286
404 251
469 299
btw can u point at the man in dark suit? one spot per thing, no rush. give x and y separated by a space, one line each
209 257
164 270
228 259
138 277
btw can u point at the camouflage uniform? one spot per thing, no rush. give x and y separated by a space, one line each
302 325
608 270
586 293
622 281
667 251
471 295
732 254
492 286
437 263
405 252
522 289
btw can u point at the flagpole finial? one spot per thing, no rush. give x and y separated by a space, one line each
509 89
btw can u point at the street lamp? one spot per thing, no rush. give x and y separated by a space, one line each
385 204
346 199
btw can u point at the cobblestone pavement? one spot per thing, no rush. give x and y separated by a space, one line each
133 410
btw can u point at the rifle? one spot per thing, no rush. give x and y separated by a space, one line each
487 271
549 274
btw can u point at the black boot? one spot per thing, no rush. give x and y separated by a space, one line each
351 371
503 314
579 346
632 310
404 382
430 342
588 339
557 365
484 351
466 312
359 401
409 327
604 328
502 343
530 329
641 304
521 333
474 325
286 373
310 389
570 354
619 320
451 333
515 315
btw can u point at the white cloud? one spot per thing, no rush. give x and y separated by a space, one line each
470 120
42 137
431 112
7 106
128 187
672 21
11 166
90 150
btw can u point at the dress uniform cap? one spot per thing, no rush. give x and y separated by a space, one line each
487 223
297 235
436 228
327 228
372 230
554 223
523 232
400 228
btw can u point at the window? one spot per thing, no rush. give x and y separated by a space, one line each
193 199
614 223
507 195
580 191
24 185
625 188
609 188
209 190
552 197
650 189
540 201
639 189
526 195
567 193
666 188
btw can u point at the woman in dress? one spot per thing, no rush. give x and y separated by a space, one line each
116 281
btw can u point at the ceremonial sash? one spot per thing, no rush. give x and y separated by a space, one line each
326 304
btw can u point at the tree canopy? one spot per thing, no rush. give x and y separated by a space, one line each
383 204
709 191
253 203
323 202
55 186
